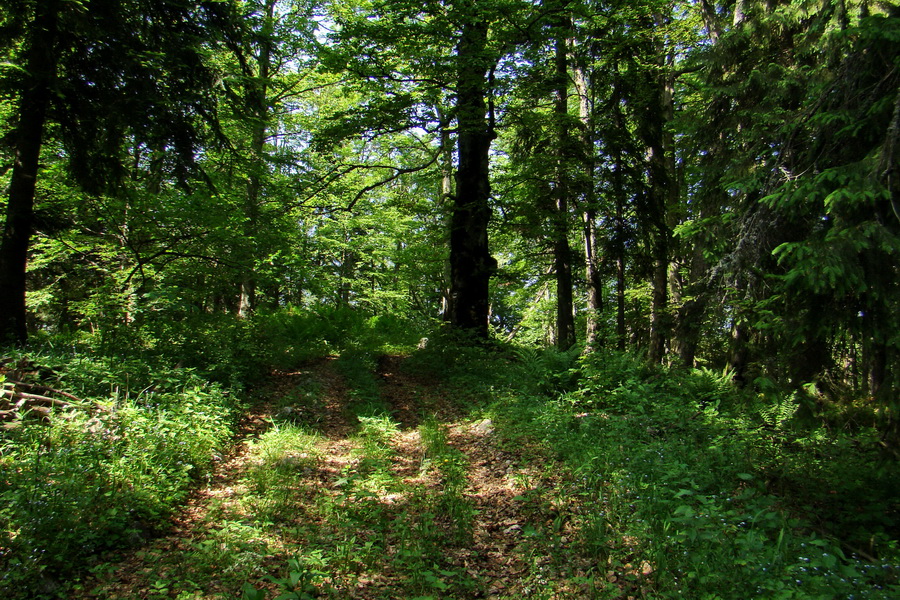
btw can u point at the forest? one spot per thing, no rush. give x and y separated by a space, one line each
449 299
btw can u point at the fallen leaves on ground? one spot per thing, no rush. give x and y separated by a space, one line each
370 525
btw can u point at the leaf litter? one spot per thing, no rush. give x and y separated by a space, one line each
367 516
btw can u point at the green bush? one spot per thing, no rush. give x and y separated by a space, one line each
720 494
299 335
94 479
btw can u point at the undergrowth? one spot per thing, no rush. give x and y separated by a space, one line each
692 488
104 476
698 490
371 519
161 398
685 487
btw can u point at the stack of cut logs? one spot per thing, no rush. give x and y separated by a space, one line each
32 398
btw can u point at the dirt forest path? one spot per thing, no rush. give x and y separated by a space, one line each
370 486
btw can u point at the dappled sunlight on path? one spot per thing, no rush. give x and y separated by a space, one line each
324 496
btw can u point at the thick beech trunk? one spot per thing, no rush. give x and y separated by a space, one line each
40 65
471 264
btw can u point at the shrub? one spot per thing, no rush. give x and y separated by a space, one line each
99 478
719 496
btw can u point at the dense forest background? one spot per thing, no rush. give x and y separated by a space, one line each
712 183
213 188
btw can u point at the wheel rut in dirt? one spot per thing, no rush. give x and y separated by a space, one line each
517 508
325 497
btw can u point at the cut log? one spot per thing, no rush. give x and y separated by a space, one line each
34 399
47 390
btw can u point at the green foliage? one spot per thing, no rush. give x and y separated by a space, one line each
317 208
715 492
475 371
552 371
295 335
119 472
220 348
793 173
303 580
223 348
358 369
94 480
278 455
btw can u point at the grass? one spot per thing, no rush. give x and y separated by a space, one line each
101 478
693 490
610 479
308 516
450 465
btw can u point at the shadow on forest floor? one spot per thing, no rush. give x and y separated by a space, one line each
370 486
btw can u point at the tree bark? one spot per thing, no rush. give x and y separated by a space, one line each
593 277
257 91
690 319
471 264
446 195
659 239
663 194
619 223
593 339
738 13
562 252
740 353
709 19
621 330
40 66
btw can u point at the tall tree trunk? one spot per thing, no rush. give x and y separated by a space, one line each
591 246
659 298
562 252
690 318
740 352
659 239
698 289
621 330
40 66
739 8
663 195
258 100
619 227
593 339
446 195
471 264
709 19
446 160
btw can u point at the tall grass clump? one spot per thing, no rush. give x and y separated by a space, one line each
103 474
